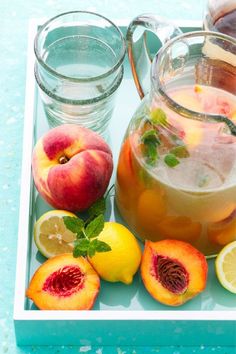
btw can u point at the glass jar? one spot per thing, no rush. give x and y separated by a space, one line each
176 175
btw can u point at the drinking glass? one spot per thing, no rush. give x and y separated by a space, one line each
79 67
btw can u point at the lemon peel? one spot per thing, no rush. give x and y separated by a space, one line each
226 267
122 262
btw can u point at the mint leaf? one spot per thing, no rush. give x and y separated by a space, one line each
158 116
82 244
150 140
78 253
102 246
95 227
152 154
171 160
73 224
80 235
180 151
150 136
99 246
99 207
91 250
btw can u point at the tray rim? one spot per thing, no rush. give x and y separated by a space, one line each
19 312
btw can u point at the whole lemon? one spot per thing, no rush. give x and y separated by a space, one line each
122 262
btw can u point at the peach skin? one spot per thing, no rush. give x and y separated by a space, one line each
72 167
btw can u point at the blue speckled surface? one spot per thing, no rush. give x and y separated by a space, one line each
14 16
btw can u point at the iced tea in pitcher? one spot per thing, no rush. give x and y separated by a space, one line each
176 175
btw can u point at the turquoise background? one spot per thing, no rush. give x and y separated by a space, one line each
14 16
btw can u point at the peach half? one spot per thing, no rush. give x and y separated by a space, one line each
64 283
173 271
71 167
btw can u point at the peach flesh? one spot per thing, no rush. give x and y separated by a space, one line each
184 270
65 281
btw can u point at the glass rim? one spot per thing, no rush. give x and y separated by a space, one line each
73 79
158 86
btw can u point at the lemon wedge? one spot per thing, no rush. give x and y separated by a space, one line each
51 235
226 267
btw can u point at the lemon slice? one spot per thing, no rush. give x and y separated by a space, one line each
51 235
226 267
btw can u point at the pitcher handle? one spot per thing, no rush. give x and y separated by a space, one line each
138 53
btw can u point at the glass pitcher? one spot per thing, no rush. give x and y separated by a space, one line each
176 174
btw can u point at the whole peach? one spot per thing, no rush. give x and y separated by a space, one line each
72 167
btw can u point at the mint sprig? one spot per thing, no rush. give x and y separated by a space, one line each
151 140
86 243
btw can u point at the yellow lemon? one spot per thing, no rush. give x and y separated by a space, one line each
122 262
51 235
226 267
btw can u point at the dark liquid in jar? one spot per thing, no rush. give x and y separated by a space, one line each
227 24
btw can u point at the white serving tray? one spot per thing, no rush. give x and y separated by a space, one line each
122 315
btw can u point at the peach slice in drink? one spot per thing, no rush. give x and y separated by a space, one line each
127 182
224 231
179 228
151 208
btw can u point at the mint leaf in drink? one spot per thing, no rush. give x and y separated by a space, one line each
152 154
73 224
203 181
95 227
150 140
150 136
158 116
180 151
171 160
99 207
